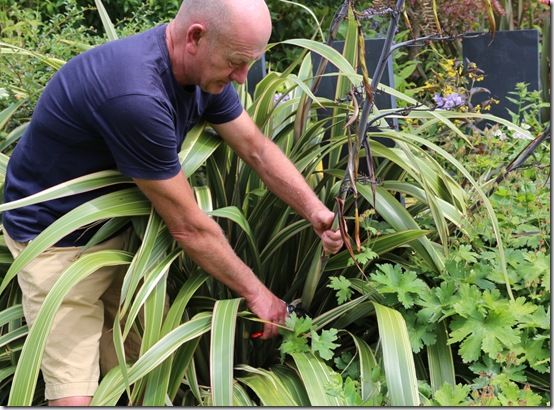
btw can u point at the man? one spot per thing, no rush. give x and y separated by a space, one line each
127 105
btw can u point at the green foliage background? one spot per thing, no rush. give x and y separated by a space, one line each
430 321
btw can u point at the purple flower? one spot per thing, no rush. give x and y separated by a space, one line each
450 101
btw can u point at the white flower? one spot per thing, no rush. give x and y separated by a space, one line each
501 136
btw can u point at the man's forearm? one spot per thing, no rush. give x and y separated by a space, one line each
280 176
210 250
198 234
284 180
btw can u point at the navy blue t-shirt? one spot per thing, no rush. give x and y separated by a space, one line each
116 106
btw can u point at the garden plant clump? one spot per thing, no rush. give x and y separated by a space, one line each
441 296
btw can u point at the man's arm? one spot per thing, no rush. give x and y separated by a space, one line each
280 175
203 240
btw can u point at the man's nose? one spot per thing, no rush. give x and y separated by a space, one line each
239 74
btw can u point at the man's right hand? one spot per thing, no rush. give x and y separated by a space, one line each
269 307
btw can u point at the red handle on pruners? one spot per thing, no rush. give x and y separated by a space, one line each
256 335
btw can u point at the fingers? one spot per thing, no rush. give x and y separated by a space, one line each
276 315
332 241
322 223
270 331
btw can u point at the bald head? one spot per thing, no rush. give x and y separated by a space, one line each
212 42
226 18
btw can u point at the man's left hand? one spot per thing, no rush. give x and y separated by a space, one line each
322 221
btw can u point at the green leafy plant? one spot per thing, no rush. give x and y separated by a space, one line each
425 310
297 340
342 287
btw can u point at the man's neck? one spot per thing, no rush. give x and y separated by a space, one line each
177 69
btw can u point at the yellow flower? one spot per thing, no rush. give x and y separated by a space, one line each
448 66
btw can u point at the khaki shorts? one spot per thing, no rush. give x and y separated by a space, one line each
80 343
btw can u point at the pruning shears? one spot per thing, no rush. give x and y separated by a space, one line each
292 307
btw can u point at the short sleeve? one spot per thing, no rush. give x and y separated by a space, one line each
140 133
223 107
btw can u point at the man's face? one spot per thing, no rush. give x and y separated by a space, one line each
225 60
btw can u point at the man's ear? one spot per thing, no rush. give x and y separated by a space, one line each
194 33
